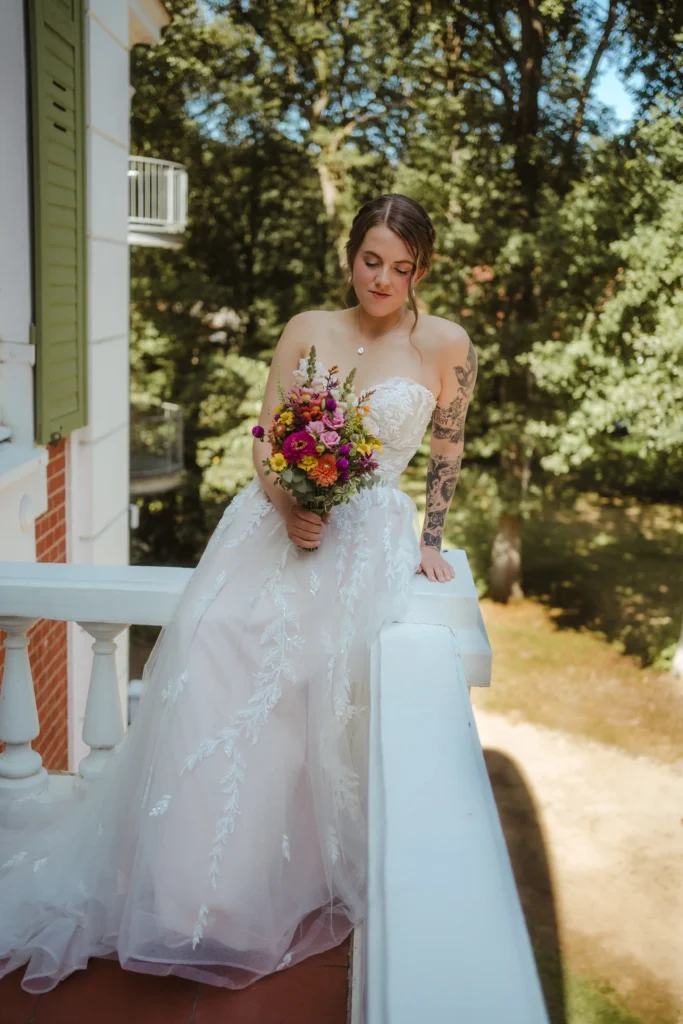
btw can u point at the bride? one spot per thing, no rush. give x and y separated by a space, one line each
226 838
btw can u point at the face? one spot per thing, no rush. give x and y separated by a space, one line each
381 271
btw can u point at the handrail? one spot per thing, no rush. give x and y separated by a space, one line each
445 937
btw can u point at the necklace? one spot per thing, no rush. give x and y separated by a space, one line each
360 350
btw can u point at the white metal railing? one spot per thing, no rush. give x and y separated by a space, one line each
156 448
157 195
444 937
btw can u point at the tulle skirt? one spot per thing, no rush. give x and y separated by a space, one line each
226 838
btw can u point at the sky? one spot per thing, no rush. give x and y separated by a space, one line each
610 89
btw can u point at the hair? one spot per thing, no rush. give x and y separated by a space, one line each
408 220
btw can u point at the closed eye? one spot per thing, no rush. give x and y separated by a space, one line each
401 272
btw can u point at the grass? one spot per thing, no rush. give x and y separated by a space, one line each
589 1002
575 681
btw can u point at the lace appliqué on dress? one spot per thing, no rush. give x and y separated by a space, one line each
161 806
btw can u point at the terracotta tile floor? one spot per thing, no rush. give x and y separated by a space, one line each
313 992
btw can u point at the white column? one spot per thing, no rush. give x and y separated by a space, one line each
103 724
21 767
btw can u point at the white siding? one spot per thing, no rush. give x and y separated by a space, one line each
108 291
23 478
99 478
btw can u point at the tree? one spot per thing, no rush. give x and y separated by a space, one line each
510 107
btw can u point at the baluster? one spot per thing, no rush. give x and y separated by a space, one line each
103 722
169 198
21 767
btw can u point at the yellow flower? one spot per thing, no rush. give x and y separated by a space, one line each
277 409
376 443
287 417
308 462
364 448
278 462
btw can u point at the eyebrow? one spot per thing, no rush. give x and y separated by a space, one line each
369 252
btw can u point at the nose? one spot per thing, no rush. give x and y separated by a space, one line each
382 277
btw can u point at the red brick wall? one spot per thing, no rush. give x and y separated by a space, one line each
47 640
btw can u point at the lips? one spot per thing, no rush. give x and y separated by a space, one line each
379 295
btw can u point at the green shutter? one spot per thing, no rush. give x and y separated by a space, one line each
58 122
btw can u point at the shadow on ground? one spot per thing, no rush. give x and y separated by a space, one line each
530 864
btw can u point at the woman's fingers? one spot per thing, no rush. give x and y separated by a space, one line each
300 537
307 516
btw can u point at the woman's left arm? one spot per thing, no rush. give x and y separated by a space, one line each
459 373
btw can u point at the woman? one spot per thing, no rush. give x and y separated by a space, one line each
226 838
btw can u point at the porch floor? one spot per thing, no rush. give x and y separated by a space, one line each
312 992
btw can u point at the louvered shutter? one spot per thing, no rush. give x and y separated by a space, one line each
58 123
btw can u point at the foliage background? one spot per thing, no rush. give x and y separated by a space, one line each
557 233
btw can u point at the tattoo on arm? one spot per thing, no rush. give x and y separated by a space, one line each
442 476
448 423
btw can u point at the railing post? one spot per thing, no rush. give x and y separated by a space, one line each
21 767
103 723
170 191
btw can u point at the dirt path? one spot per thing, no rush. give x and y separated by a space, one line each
611 826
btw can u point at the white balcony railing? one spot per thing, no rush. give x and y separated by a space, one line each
156 449
444 938
157 202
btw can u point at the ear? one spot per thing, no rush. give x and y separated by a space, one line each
419 275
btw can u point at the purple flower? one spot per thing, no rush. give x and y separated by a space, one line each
343 475
258 431
297 445
330 404
344 449
342 464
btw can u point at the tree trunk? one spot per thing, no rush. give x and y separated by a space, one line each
506 559
677 663
506 550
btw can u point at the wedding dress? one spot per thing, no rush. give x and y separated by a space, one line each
226 838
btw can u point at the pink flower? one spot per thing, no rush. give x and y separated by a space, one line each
316 427
297 445
330 438
335 420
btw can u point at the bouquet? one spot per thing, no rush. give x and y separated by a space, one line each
322 449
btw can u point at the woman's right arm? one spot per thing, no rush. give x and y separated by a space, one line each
303 527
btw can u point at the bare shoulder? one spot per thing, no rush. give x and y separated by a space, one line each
452 343
305 322
300 331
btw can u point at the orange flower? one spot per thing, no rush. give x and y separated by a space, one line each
325 473
305 416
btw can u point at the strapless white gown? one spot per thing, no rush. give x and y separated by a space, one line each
226 838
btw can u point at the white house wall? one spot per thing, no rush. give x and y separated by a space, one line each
100 452
23 479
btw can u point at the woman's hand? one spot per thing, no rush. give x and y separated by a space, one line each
434 565
304 528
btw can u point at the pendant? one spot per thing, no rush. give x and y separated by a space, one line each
360 350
